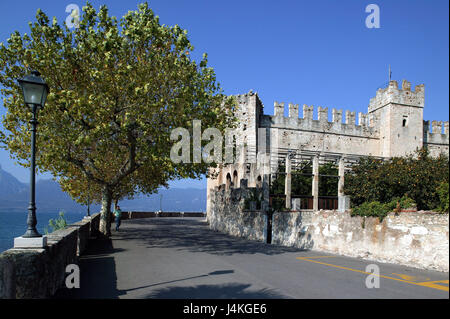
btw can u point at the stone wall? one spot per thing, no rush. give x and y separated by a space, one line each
227 215
38 273
416 239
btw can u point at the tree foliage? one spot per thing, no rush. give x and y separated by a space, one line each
418 177
118 88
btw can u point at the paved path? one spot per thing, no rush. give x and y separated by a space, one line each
183 258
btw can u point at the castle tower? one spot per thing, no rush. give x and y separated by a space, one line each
398 114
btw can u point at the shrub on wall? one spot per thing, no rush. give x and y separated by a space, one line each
380 210
56 224
418 177
443 197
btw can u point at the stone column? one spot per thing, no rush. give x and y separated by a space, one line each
266 184
341 177
343 201
287 182
315 183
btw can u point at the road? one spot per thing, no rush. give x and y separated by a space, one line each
182 258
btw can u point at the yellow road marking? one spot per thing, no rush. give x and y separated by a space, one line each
410 278
318 257
433 284
430 284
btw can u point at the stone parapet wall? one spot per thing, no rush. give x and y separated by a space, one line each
416 239
39 273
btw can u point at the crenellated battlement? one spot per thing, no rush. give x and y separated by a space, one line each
404 96
393 125
438 134
321 124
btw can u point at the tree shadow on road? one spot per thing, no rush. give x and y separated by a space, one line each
193 235
98 278
226 291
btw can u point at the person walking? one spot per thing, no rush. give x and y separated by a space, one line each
118 214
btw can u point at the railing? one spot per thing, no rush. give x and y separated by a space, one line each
134 215
307 201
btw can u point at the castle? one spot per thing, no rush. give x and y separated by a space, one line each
393 126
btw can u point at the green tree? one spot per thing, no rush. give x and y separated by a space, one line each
417 177
118 88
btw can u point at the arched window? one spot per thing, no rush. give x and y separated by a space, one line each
235 179
259 182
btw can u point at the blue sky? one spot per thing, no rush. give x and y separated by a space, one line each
306 52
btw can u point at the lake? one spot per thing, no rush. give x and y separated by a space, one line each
15 225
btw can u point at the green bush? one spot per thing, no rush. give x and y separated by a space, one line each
418 177
278 204
380 210
59 223
443 197
372 209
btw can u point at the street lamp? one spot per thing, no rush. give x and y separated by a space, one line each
35 92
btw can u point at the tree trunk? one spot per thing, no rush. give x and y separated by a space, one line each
105 214
116 201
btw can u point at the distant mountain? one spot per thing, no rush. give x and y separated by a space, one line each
15 197
9 184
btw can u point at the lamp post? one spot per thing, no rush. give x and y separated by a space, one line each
89 199
35 92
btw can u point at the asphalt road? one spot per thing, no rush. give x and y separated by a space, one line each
182 258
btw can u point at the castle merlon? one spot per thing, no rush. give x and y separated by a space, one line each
350 118
322 114
308 112
293 110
